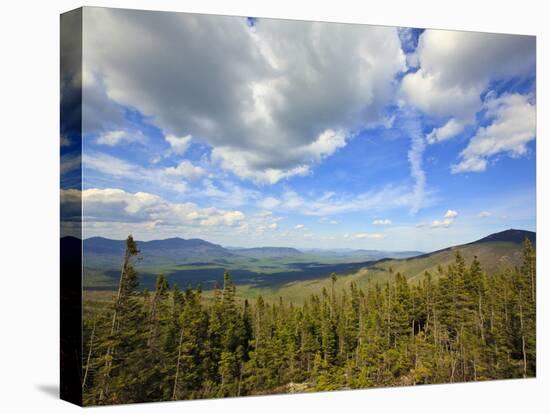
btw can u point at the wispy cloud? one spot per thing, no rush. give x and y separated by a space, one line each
376 200
119 136
361 236
415 155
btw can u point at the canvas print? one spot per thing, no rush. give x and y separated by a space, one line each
256 206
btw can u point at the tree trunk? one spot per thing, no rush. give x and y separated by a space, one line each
177 367
522 337
89 356
481 321
110 349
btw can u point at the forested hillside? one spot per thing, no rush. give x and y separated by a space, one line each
457 324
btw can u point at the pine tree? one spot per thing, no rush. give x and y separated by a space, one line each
459 325
127 283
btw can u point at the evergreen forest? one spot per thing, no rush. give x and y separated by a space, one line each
458 324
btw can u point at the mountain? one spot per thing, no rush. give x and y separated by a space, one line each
156 250
512 236
363 253
496 252
259 252
285 271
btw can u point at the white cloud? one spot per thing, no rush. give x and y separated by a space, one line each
449 130
423 92
269 203
180 179
333 222
441 223
243 164
383 199
227 193
186 170
361 236
415 154
248 165
273 226
456 67
325 144
115 137
229 218
113 167
118 206
513 126
485 214
473 164
292 201
299 226
272 93
179 145
451 214
448 220
381 222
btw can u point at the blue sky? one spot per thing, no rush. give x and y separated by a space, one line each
271 132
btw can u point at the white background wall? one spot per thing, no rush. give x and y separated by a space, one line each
29 103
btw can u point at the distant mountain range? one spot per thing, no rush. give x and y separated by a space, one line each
199 249
266 251
496 252
196 261
175 246
371 254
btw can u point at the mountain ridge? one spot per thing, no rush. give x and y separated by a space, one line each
196 261
496 253
99 244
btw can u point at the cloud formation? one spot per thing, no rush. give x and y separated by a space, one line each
173 178
186 170
119 206
513 126
455 68
361 236
387 198
451 214
231 110
448 220
283 84
178 144
116 137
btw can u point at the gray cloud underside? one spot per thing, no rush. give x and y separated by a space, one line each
261 97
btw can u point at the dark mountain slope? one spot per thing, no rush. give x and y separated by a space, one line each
174 247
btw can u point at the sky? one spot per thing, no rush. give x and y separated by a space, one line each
265 132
